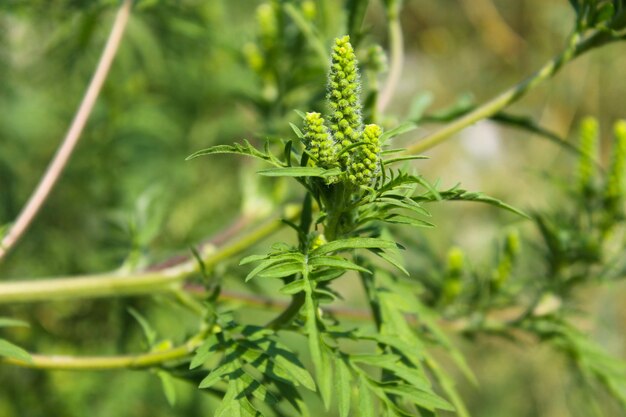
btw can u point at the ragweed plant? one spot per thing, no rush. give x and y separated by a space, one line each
359 202
352 195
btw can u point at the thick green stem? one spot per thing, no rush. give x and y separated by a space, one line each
104 363
576 47
114 284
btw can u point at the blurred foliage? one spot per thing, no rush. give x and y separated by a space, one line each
191 74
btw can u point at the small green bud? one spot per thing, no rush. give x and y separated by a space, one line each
452 285
616 186
309 9
268 23
589 153
512 246
253 57
456 259
377 59
503 271
318 240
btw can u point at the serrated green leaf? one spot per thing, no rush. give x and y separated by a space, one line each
282 270
447 384
401 201
254 387
326 376
335 262
228 406
297 131
299 172
392 260
167 383
409 221
319 357
457 194
253 258
293 287
421 398
8 322
366 404
285 362
263 266
9 350
390 161
343 387
246 149
375 360
399 130
216 375
204 352
354 243
326 275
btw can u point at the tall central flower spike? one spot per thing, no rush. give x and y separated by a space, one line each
360 164
343 94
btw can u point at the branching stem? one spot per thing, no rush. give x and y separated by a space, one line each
113 284
53 172
576 47
107 363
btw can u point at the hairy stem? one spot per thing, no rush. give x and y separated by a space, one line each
576 47
114 284
53 172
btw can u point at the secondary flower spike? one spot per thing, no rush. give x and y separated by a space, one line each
364 165
343 94
318 141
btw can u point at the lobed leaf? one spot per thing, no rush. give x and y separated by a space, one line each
354 243
335 262
246 149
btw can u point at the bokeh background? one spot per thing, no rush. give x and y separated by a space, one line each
184 79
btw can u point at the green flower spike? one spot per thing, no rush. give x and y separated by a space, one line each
318 141
365 164
589 152
343 94
616 187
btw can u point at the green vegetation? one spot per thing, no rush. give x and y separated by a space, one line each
346 283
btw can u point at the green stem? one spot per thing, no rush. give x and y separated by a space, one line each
114 284
576 47
104 363
297 301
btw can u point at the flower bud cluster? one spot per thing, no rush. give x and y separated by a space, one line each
365 161
361 163
320 144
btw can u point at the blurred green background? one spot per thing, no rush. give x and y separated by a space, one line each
185 79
